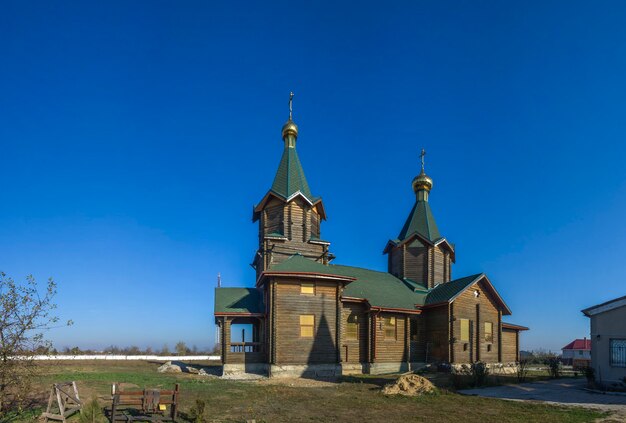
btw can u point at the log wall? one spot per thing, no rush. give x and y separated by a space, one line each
289 305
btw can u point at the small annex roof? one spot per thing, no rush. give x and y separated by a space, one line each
604 307
513 326
238 301
449 291
578 344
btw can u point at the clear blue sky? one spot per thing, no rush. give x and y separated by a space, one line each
136 137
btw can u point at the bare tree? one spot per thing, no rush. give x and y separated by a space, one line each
181 348
25 314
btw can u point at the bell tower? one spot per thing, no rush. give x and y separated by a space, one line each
420 255
289 215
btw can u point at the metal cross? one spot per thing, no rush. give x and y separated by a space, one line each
291 105
422 154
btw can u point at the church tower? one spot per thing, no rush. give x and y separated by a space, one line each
420 255
289 215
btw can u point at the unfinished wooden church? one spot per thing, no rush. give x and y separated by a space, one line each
311 317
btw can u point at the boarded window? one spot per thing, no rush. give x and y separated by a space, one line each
352 328
617 349
307 288
465 337
390 327
488 332
307 324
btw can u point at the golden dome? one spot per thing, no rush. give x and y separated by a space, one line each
290 128
422 182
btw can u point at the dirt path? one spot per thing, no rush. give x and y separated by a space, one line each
561 392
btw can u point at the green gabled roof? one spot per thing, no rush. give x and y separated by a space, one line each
380 289
422 221
446 291
290 177
238 300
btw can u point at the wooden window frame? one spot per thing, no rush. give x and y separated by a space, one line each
387 327
461 330
488 336
356 326
307 325
307 285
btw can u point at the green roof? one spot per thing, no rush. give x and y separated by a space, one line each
290 177
422 221
238 300
446 291
380 289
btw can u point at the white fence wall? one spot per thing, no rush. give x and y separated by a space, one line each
129 357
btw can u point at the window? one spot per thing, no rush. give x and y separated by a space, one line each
488 332
352 328
390 327
580 352
465 330
618 352
307 288
307 323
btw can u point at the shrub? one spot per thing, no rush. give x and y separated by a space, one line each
196 414
476 374
522 370
479 372
554 366
91 412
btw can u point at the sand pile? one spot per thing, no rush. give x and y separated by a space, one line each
411 385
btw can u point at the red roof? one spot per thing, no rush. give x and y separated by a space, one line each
578 344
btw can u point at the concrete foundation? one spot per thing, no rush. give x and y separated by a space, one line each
308 370
383 368
244 371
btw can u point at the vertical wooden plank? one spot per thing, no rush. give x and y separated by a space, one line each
174 408
451 340
478 332
407 340
61 404
500 336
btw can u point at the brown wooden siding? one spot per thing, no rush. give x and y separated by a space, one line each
355 351
509 345
396 264
390 350
416 262
438 266
477 310
418 347
289 305
437 333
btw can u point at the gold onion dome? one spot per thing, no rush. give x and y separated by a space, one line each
290 128
422 182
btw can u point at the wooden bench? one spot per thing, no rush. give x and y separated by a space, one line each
144 405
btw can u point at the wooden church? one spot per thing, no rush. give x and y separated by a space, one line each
314 318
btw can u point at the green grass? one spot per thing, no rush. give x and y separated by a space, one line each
355 398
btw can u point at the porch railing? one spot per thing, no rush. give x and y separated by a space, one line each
245 347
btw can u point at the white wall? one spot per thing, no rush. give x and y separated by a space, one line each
129 357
